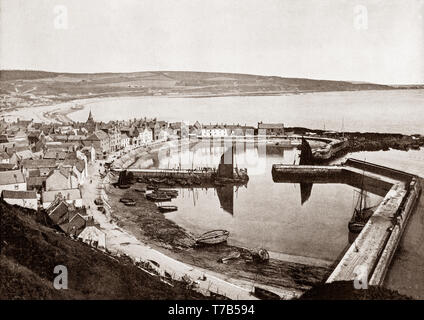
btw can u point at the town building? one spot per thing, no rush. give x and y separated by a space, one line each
12 180
214 131
25 199
62 178
71 196
270 129
99 140
93 236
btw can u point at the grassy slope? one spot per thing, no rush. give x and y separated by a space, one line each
30 251
176 82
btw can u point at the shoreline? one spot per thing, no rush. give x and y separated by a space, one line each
62 112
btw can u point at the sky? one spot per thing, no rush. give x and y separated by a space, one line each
380 41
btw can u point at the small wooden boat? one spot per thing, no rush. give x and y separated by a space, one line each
157 197
125 200
124 186
264 294
167 208
151 187
140 190
141 180
130 203
361 213
171 193
213 237
231 256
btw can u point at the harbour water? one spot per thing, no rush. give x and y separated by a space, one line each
374 111
308 220
305 220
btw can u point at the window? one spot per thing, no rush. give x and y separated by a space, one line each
16 187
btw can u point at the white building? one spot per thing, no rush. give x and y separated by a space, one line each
93 236
214 131
146 135
12 180
26 199
125 141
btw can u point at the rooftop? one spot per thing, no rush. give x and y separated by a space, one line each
11 177
9 194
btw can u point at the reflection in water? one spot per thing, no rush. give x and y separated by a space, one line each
226 198
281 217
305 192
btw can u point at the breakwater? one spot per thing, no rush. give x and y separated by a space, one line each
373 249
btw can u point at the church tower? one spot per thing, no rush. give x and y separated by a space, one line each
90 119
90 124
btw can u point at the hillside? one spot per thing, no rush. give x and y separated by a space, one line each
20 88
31 250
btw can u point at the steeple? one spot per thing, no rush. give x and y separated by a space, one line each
90 118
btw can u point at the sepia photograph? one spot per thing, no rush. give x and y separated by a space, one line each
222 151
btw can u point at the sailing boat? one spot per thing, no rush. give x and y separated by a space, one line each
361 213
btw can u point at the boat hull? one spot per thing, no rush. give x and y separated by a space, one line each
164 209
213 237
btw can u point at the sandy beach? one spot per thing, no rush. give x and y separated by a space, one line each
55 113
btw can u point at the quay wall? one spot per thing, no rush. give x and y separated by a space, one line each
373 249
377 169
330 174
404 212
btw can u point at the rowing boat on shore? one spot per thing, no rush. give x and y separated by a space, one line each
164 209
213 237
264 294
158 197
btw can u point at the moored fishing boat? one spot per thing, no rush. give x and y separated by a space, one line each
361 213
213 237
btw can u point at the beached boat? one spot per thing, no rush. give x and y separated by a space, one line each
157 197
167 208
169 192
124 186
264 294
151 187
213 237
130 203
125 200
